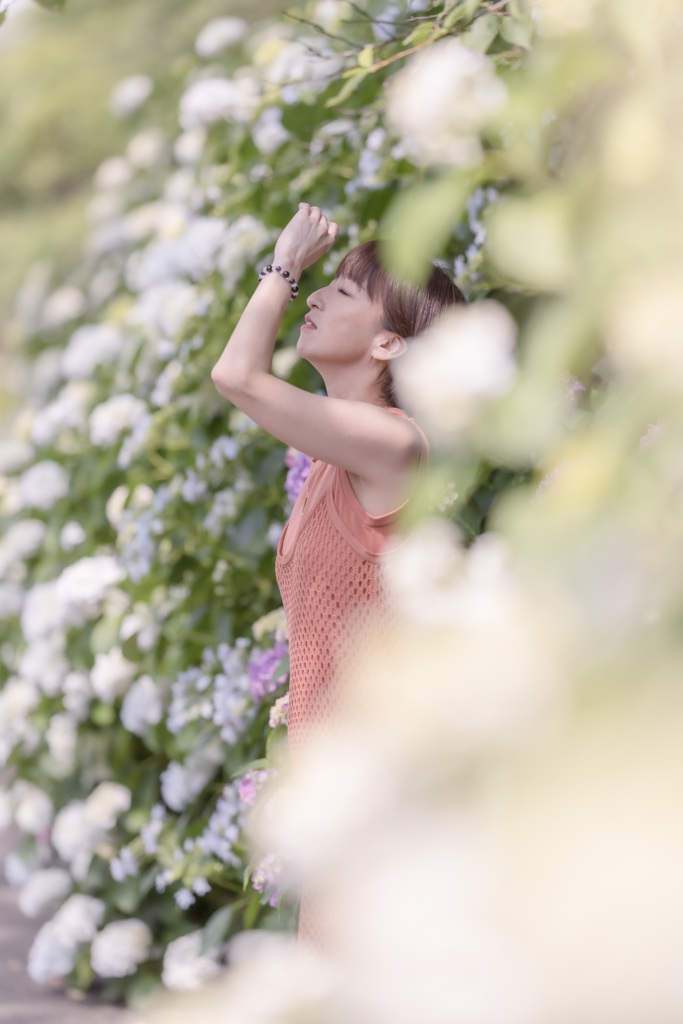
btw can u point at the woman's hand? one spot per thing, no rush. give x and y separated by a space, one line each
307 237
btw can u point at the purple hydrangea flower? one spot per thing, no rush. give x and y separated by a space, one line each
266 878
261 669
299 465
249 785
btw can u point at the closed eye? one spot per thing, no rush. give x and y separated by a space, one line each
342 291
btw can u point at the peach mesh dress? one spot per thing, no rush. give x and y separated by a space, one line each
328 571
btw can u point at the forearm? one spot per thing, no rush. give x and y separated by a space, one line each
249 351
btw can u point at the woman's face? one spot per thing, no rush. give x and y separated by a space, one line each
343 326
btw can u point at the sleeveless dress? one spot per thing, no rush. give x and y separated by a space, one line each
329 574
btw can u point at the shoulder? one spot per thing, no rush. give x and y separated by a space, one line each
421 444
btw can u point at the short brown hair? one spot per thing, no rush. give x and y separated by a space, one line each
408 309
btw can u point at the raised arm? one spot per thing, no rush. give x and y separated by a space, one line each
363 438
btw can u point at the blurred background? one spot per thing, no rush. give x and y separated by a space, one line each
493 826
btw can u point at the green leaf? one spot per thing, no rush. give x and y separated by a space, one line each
216 928
420 221
481 33
252 911
259 762
463 11
102 714
354 77
427 30
518 33
104 634
141 989
52 5
366 57
3 15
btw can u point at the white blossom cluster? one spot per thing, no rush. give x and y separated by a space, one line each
82 826
216 692
185 967
439 103
224 827
465 359
182 783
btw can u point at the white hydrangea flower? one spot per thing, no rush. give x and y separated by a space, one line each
142 624
185 967
162 218
67 412
114 416
56 946
86 583
90 346
43 662
42 888
245 239
124 866
71 535
66 303
113 173
191 254
14 455
43 484
219 99
218 35
75 837
164 309
463 359
147 147
439 102
268 133
182 783
189 146
43 612
33 808
129 94
20 541
111 675
18 697
116 502
61 737
303 64
120 947
77 694
17 870
142 706
106 802
11 600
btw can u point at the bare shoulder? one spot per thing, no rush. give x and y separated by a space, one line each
392 481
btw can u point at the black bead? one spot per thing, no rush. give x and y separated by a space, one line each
285 273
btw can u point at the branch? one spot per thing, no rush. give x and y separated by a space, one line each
319 28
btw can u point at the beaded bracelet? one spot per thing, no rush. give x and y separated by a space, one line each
269 269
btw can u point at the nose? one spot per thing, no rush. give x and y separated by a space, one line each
314 300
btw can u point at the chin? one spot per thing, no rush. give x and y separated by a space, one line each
303 349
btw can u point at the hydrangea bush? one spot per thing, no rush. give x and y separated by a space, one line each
144 664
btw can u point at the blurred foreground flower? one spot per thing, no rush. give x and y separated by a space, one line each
441 100
464 359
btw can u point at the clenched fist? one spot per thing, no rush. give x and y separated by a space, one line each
307 237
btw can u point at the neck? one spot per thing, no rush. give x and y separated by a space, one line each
350 387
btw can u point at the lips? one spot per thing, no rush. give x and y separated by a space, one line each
309 323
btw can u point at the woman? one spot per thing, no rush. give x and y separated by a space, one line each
366 453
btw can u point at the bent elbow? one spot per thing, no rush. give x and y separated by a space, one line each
219 381
227 385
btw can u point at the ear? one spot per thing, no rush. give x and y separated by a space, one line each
391 346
